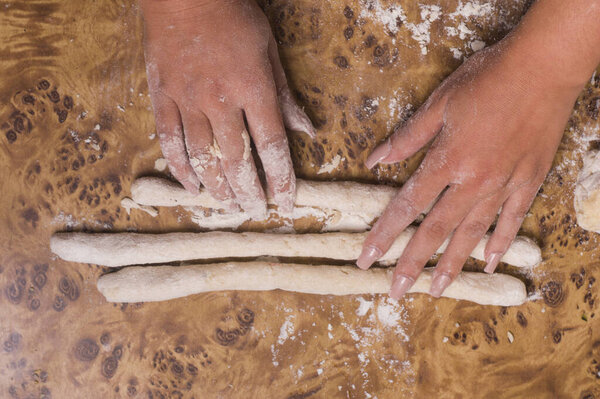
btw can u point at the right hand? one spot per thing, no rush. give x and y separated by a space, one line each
216 80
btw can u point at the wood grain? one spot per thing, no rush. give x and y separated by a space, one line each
75 130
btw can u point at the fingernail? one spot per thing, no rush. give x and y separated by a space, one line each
492 262
400 286
308 126
368 256
379 154
439 284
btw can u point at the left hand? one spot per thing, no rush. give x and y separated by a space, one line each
495 127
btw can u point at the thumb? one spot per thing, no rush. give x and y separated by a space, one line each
294 117
410 137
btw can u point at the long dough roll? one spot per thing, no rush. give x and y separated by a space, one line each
366 200
121 249
161 283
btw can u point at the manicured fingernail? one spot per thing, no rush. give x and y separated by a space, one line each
368 256
439 284
379 154
492 262
308 127
400 286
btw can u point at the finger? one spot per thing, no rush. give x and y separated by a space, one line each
509 222
466 237
294 117
416 195
443 219
268 134
237 163
409 138
204 158
172 143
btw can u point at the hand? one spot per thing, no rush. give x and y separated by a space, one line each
216 80
495 126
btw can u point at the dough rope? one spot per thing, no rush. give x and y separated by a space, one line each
161 283
120 249
343 199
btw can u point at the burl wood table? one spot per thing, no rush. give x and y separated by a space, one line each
76 128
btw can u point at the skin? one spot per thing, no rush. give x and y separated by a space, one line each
494 126
217 85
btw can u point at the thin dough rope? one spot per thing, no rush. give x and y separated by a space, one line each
120 249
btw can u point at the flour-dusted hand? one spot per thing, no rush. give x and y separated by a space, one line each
494 127
217 84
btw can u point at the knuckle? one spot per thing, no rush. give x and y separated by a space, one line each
435 230
405 206
492 183
475 230
409 265
515 216
382 235
273 140
450 269
233 154
520 180
505 234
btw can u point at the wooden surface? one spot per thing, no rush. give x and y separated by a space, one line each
76 128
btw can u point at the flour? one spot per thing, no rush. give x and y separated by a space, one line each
391 17
388 314
472 9
399 108
421 31
68 221
287 330
364 306
378 315
465 13
330 219
330 166
214 220
160 164
276 160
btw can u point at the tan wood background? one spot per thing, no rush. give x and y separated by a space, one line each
75 130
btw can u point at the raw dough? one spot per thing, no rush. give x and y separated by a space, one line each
587 193
130 204
366 201
161 283
121 249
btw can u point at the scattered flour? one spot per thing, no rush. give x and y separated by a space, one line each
330 166
391 17
68 221
287 330
421 31
467 12
364 306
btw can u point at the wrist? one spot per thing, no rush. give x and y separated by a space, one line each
158 8
558 42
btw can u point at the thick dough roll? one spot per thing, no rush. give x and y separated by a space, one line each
587 193
161 283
